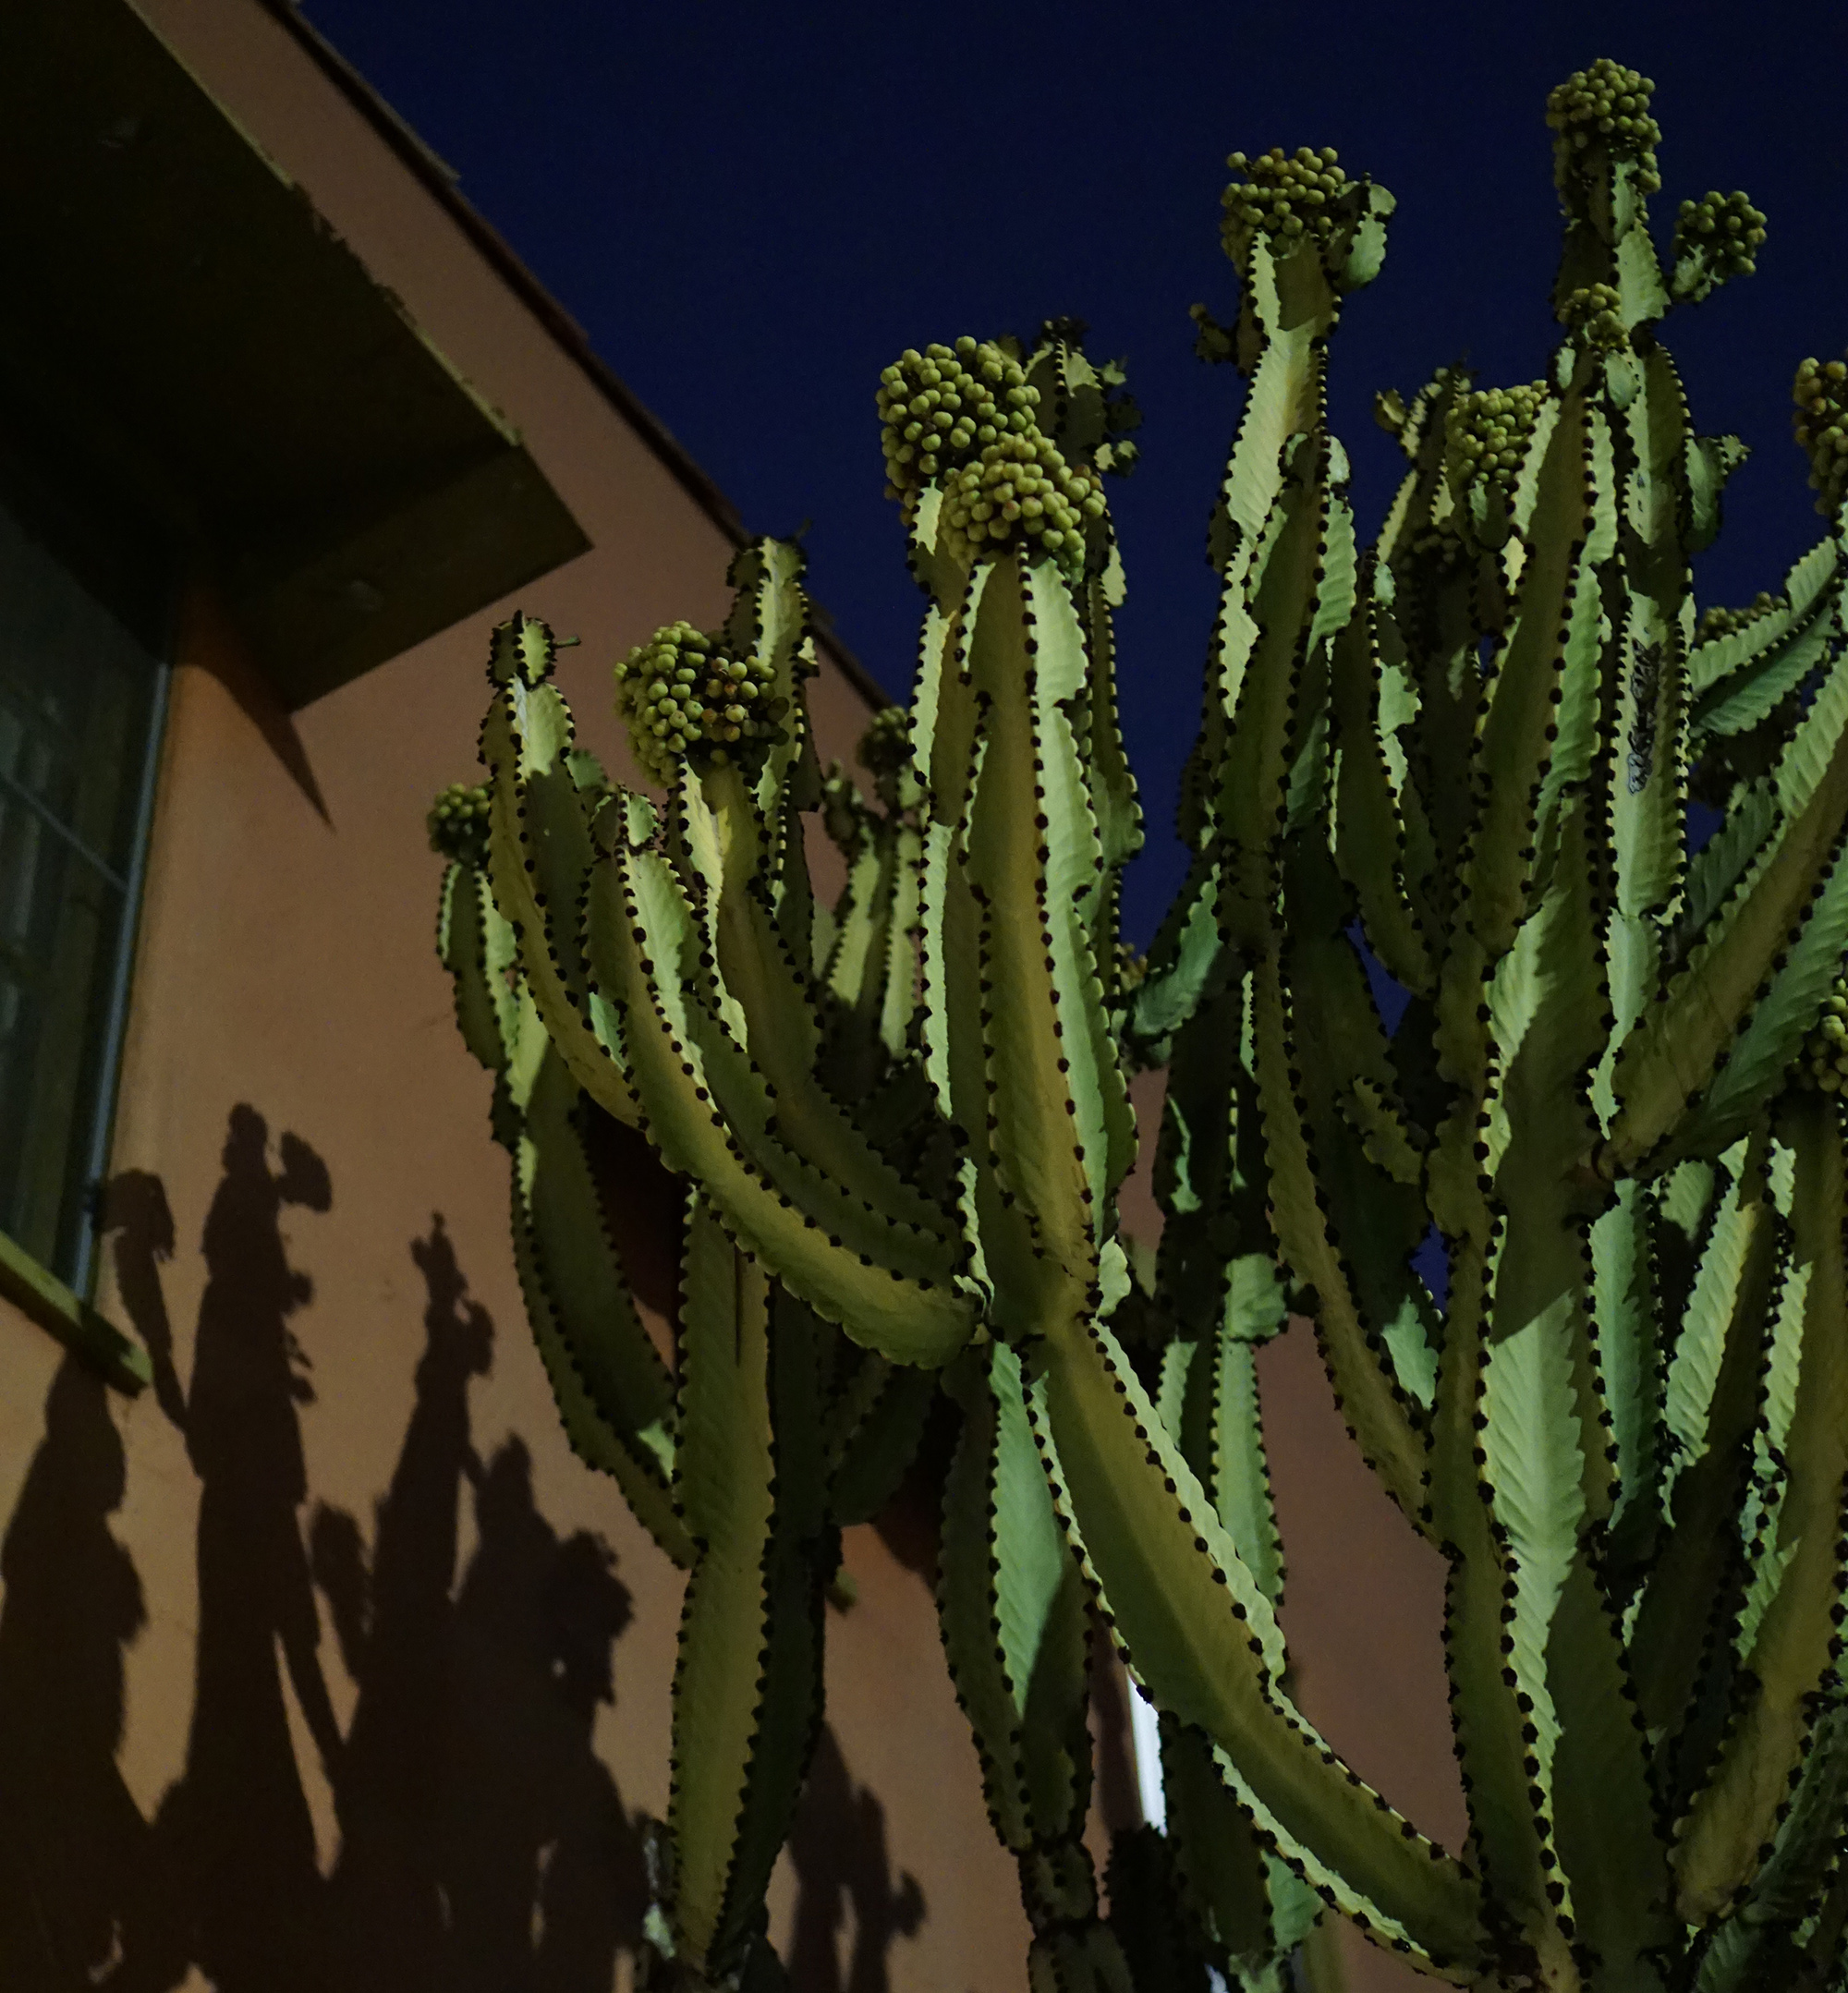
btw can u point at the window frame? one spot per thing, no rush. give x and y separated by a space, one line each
66 1308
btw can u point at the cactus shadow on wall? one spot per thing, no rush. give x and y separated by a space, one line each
845 1875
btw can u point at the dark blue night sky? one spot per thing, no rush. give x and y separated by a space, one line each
753 209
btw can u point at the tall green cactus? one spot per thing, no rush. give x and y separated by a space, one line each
902 1124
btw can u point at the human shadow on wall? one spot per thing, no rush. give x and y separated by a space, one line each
482 1843
485 1845
73 1845
239 1891
843 1873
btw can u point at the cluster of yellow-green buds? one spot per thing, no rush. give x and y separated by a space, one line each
1824 1051
1020 489
943 406
1605 106
1286 196
1724 230
885 747
684 697
1730 621
457 823
1594 311
1821 426
1487 433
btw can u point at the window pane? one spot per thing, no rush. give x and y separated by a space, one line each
77 677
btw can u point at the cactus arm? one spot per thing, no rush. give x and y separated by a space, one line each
1791 1658
872 965
1611 1837
1196 1629
1223 1437
477 948
946 712
1384 1418
769 627
1367 1153
1061 1133
1522 1474
762 984
597 1441
1678 1643
899 991
615 1392
614 1395
726 1482
1185 962
1251 1905
854 925
1712 1045
1112 786
1299 589
1581 1751
1216 1266
746 1686
539 855
1536 740
1741 673
1746 645
1370 839
1646 778
1252 1908
1011 1605
1626 1302
1604 173
1754 691
709 1114
883 1431
1762 1944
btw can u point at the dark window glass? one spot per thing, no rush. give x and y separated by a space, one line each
84 599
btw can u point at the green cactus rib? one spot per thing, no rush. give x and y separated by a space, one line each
614 1395
1725 1028
1217 1265
1012 1610
756 980
1251 1908
1737 648
1196 1629
752 1488
1371 846
878 1423
868 965
540 856
1112 786
1797 1641
1058 1098
688 1071
1386 1421
617 1394
477 948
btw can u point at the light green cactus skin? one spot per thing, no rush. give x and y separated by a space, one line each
903 1122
